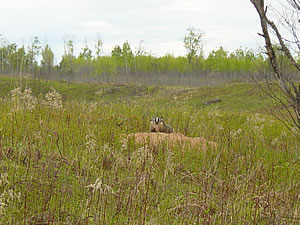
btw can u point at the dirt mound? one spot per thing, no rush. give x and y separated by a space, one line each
155 139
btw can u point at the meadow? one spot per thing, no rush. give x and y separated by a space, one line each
65 157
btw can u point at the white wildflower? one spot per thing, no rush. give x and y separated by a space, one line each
258 129
28 99
256 118
16 95
53 100
90 142
38 135
23 100
236 133
2 206
8 194
214 113
92 107
3 179
98 185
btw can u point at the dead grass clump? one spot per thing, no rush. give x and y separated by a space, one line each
155 139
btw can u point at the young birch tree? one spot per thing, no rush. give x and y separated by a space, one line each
193 43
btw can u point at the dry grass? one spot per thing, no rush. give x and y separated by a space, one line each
156 139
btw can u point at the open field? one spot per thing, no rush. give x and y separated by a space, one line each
65 157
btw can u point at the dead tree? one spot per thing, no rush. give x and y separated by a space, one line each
287 93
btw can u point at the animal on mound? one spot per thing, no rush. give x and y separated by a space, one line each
157 124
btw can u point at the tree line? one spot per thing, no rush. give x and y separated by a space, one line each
38 61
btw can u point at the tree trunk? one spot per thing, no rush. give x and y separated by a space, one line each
287 86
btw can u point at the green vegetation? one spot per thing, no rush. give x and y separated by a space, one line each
36 60
65 159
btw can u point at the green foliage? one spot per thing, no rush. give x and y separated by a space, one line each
193 42
239 61
104 65
123 61
98 47
123 57
32 54
67 63
47 61
86 53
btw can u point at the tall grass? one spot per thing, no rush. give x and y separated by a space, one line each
73 164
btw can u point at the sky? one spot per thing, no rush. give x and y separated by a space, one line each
161 24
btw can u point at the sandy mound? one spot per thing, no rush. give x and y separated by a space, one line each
155 139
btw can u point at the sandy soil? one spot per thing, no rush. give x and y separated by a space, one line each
155 139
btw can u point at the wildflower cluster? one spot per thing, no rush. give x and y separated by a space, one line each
256 118
256 123
53 100
99 186
7 195
23 100
90 142
236 133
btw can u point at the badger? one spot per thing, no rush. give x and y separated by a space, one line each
157 124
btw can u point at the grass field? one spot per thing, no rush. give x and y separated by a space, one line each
65 158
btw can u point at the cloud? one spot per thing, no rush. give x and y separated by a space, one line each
160 48
99 25
184 6
161 24
103 27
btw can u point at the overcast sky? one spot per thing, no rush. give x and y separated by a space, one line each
162 24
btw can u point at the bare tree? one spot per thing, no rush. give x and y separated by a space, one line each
282 39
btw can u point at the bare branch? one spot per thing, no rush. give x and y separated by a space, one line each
283 46
295 4
286 85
